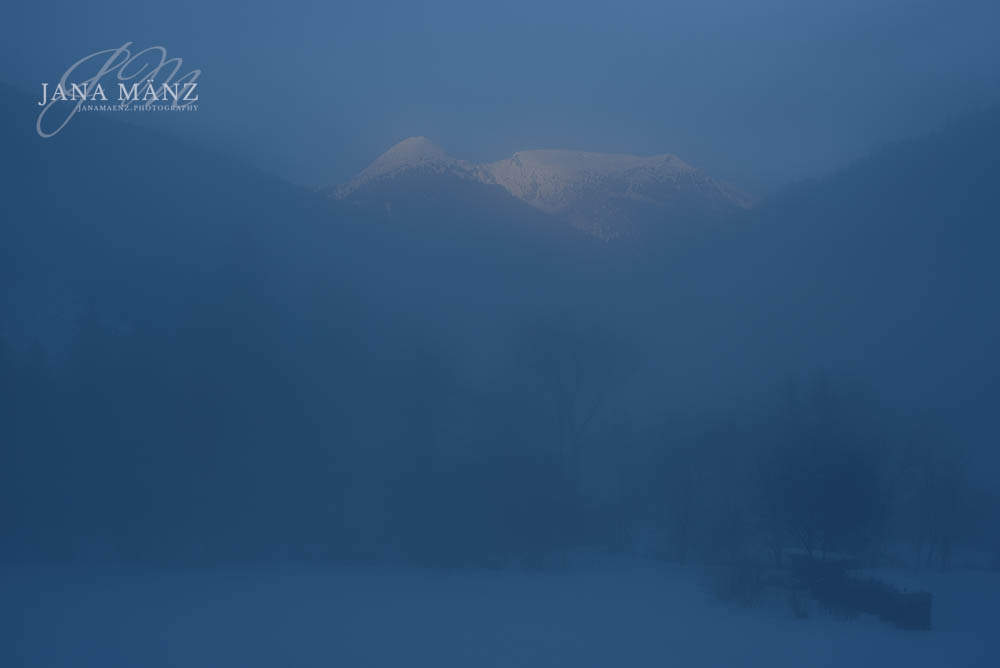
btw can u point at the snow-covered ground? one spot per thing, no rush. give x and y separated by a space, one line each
624 616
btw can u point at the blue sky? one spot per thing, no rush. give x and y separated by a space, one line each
758 93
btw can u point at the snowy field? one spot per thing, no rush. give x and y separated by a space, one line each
635 616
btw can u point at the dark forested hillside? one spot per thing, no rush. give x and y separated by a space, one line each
200 363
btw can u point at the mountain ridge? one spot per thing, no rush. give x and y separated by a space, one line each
607 195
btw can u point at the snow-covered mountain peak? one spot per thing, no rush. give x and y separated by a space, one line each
574 163
413 153
410 151
552 179
602 193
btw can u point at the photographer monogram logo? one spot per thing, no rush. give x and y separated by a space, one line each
118 80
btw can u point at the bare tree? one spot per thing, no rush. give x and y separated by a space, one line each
935 491
820 475
575 367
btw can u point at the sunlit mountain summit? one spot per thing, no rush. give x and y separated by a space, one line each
607 195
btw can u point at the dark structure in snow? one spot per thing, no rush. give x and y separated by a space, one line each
836 587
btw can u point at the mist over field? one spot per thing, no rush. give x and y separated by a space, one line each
497 337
